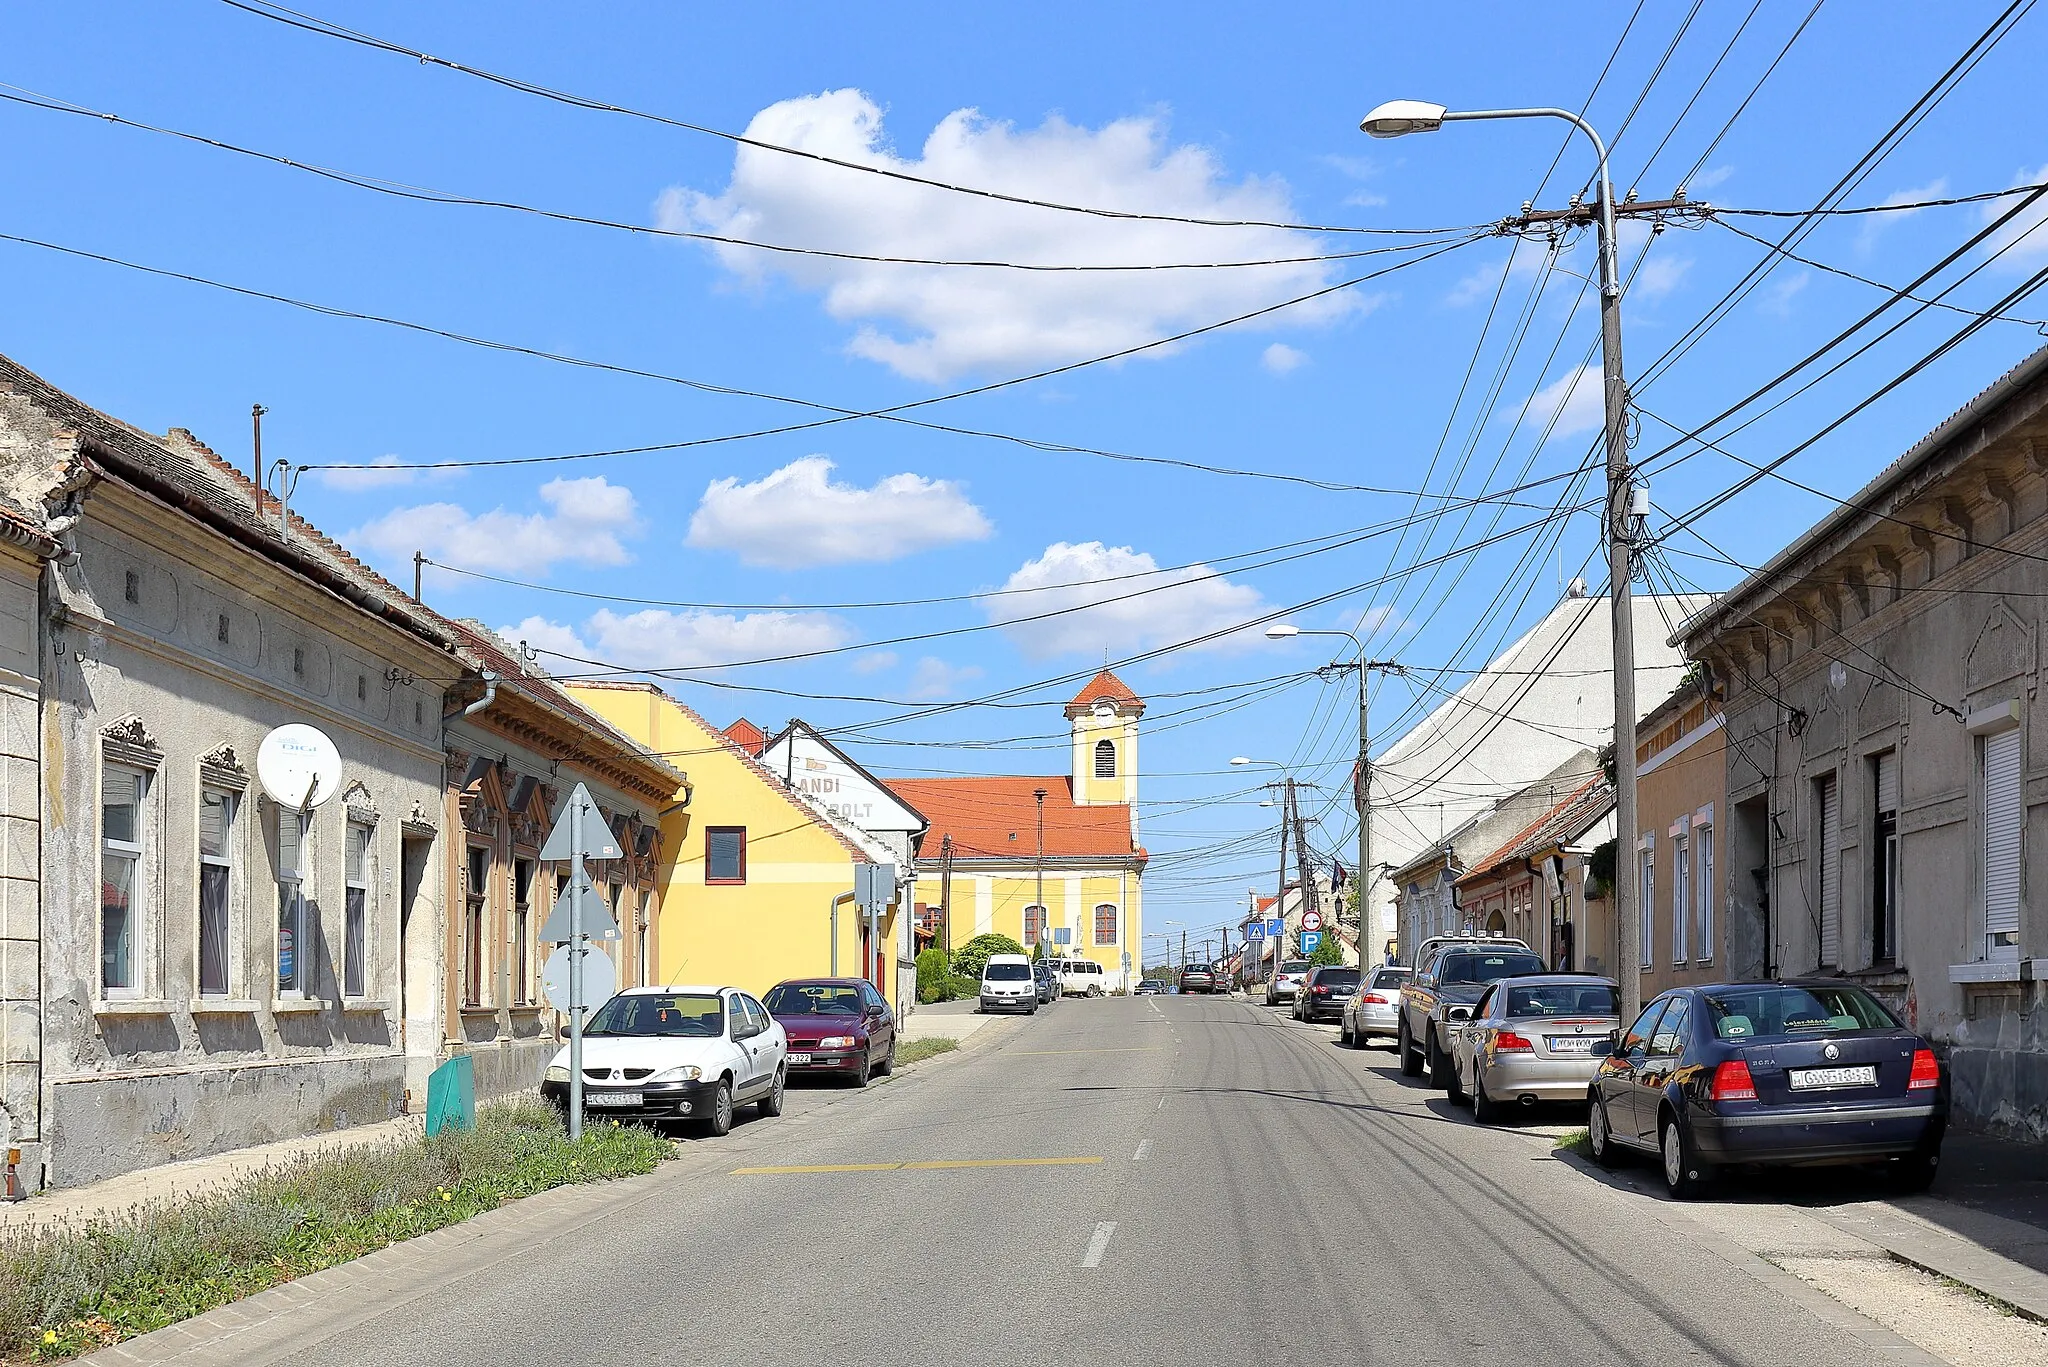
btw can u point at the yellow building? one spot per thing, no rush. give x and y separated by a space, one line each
755 878
1053 858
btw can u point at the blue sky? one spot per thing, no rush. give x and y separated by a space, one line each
1203 111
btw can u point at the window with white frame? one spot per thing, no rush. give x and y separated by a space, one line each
124 819
355 959
1703 866
1646 895
217 809
1681 885
294 972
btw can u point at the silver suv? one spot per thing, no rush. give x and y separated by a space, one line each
1455 975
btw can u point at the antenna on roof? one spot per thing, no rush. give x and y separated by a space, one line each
256 412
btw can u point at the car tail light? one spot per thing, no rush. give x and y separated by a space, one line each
1733 1083
1926 1071
1321 991
1374 999
1508 1042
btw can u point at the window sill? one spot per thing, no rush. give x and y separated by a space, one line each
477 1010
1986 971
528 1008
298 1006
130 1006
364 1005
725 882
225 1006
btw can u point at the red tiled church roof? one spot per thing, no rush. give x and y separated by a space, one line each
997 817
1105 686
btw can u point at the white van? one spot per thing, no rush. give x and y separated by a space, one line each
1007 984
1082 978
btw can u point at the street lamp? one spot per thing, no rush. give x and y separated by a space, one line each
1395 119
1286 816
1361 796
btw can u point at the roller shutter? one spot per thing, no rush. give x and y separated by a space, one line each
2003 814
1829 848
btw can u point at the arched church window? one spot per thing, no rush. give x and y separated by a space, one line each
1105 759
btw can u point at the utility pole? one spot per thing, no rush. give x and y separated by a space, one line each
418 559
945 889
256 412
1038 794
1280 890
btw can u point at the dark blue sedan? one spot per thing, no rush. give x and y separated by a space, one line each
1806 1072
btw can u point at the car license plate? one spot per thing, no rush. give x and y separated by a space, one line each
598 1100
1803 1078
1571 1044
799 1058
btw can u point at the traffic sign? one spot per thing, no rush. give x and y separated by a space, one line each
874 887
1063 935
597 917
1311 941
597 836
1254 930
600 977
1275 928
1311 919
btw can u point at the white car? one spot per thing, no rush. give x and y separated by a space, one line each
677 1053
1284 986
1082 978
1008 984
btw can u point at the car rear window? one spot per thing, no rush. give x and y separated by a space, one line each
1390 977
1771 1010
1006 973
1486 968
1295 966
1337 977
1561 999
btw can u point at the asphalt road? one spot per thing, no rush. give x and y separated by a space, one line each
1152 1180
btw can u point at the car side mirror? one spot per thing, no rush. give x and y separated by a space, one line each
1614 1045
1458 1013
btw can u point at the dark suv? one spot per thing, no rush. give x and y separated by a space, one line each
1324 992
1197 978
1442 993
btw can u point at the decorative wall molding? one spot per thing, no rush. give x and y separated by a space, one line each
128 740
221 767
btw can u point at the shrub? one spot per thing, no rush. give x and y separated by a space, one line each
934 976
970 958
1329 952
964 987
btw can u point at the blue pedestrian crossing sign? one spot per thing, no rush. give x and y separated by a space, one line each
1311 941
1254 930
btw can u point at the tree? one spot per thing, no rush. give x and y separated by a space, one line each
969 958
1329 952
933 975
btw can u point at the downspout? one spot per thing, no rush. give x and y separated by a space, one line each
490 695
837 902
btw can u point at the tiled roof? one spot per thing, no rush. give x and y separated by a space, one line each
1105 686
997 817
1580 809
747 736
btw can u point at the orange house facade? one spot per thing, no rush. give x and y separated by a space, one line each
1681 795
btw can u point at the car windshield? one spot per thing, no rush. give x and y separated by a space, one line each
1337 977
1771 1009
1390 977
1561 999
1486 968
688 1015
813 999
1006 973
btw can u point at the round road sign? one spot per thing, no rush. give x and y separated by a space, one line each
1311 920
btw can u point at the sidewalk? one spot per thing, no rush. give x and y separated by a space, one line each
944 1020
180 1181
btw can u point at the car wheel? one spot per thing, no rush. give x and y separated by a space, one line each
1598 1139
719 1122
771 1104
1094 991
1345 1038
1684 1174
1439 1061
1411 1065
889 1063
1454 1085
1485 1109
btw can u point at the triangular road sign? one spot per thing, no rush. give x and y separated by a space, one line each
598 841
597 917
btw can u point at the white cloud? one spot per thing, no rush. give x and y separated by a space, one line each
1382 620
874 662
1875 224
798 517
658 639
1281 358
1778 300
1659 276
1525 259
1708 179
931 322
934 679
382 473
2027 234
1087 615
1573 398
583 524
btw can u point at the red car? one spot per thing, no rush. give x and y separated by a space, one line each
835 1025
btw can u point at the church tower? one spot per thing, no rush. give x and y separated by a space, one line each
1104 716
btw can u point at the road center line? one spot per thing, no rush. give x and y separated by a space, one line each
1144 1149
1041 1053
1099 1245
922 1165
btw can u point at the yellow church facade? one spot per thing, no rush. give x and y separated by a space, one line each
1051 859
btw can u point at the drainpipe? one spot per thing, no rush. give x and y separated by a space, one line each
490 695
841 900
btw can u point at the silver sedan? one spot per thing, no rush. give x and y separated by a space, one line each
1373 1008
1531 1039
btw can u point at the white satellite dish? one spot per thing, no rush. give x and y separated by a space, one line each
298 766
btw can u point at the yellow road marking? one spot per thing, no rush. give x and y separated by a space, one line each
925 1165
1041 1053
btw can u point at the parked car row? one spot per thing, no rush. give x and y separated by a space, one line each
697 1054
1707 1078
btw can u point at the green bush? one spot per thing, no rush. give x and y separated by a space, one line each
965 988
970 958
70 1290
934 976
1329 952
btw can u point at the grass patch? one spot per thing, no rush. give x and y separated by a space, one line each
918 1050
1575 1142
69 1291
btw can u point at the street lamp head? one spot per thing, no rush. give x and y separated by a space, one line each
1241 759
1398 117
1282 631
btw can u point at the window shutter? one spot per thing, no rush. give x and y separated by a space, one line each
2003 813
1888 781
1829 847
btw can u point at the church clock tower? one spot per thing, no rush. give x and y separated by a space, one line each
1104 717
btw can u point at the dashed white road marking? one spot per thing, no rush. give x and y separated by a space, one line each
1144 1151
1098 1245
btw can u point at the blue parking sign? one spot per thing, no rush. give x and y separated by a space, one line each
1311 940
1275 928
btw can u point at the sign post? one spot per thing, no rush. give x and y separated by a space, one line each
569 840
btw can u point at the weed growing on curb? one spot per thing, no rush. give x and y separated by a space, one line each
917 1050
1576 1141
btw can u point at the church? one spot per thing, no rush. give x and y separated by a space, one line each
1050 859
